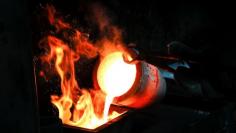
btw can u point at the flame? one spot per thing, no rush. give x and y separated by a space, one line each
76 106
87 108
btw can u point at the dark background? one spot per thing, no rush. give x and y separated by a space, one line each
207 28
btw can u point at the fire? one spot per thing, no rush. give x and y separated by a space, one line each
76 106
84 107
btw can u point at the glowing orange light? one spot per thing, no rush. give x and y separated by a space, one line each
74 109
87 108
115 77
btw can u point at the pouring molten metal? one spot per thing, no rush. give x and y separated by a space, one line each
83 107
116 79
77 107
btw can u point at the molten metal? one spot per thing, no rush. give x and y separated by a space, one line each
90 108
115 77
82 107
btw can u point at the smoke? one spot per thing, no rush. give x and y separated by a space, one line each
109 36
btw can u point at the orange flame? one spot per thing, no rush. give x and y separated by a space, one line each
73 98
87 108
